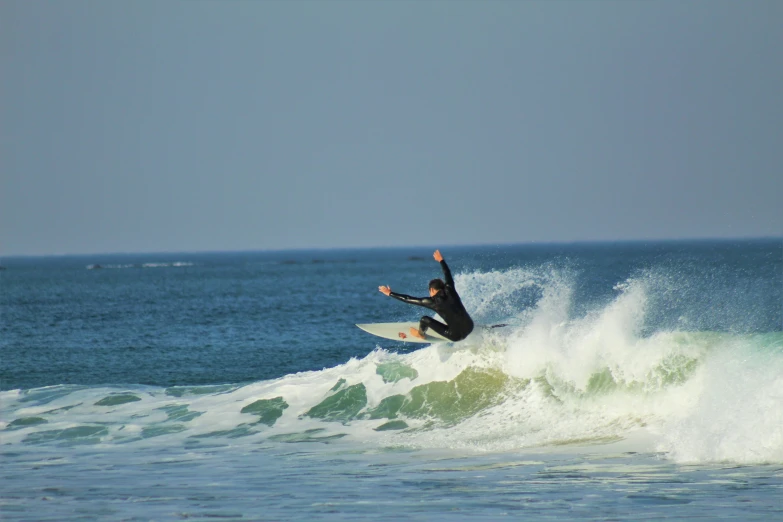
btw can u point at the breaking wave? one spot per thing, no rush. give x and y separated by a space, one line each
555 376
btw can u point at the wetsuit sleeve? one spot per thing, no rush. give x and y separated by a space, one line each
426 302
447 273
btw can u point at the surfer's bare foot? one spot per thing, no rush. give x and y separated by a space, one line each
402 335
416 333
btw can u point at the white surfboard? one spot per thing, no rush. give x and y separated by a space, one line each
392 331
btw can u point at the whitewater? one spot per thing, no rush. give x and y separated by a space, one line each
620 405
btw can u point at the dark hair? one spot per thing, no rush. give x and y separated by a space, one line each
437 284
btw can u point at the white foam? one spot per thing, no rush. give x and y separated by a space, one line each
734 410
142 265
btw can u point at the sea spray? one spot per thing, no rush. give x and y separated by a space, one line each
735 408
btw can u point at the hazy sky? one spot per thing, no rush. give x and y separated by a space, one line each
236 125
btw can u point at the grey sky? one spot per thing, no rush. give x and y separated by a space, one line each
170 126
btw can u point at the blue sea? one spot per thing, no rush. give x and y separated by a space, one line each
633 381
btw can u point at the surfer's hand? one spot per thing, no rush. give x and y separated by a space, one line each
437 256
385 290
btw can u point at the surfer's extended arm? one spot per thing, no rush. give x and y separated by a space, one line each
426 302
420 301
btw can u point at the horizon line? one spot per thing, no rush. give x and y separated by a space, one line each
396 247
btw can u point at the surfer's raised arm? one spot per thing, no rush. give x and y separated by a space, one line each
446 272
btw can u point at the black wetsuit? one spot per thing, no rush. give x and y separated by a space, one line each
448 305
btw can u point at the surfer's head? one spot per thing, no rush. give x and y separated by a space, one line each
436 285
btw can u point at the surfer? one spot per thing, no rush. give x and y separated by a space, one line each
445 301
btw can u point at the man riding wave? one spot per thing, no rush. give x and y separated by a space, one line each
445 301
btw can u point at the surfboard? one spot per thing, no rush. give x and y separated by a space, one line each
392 331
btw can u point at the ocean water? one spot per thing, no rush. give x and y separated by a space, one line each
633 381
